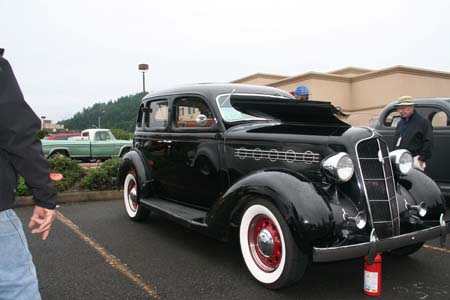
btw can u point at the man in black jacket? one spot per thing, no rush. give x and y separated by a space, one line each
413 133
20 154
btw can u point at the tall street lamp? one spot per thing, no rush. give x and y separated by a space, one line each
143 68
99 118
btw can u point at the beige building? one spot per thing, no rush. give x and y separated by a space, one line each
361 93
50 126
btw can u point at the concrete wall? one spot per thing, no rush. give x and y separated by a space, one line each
364 96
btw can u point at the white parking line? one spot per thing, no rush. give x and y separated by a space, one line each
110 258
437 248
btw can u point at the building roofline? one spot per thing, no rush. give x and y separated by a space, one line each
310 75
259 75
350 69
403 70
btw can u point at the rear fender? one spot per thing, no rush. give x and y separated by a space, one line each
134 160
307 214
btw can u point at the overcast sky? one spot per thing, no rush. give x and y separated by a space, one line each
71 54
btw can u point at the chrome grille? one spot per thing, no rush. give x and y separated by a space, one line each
379 186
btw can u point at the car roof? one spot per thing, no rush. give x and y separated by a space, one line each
445 101
214 89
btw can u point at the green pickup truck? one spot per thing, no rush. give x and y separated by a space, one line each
91 144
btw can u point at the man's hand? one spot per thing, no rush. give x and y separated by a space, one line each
43 219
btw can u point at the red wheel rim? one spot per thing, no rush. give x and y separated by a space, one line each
265 243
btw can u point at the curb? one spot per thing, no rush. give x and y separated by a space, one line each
75 197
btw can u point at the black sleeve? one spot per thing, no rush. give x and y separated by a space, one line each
19 126
425 152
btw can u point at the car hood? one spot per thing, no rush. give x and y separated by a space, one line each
288 110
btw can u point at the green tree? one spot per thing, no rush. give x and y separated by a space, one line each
119 114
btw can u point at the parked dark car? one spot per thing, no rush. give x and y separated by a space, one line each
437 111
292 181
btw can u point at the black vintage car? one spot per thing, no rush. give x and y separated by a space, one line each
437 111
290 179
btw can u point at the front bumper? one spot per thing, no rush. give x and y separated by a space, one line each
376 246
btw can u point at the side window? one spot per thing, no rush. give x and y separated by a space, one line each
392 119
192 112
440 119
436 116
139 117
102 136
85 136
157 114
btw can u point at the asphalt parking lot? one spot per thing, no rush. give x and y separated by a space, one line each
96 252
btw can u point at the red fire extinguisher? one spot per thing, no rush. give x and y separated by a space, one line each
372 276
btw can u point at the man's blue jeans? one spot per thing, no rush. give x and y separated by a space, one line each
17 272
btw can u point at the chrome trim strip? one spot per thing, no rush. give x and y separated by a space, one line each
362 176
273 155
387 188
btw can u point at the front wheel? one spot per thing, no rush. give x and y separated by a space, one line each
268 248
130 196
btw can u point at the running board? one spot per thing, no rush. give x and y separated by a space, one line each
184 215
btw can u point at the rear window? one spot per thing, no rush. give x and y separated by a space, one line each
157 114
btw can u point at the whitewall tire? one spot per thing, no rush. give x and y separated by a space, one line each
130 197
268 248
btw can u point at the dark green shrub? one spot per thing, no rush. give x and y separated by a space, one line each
70 169
111 166
96 179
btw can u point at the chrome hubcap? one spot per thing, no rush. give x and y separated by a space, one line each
265 243
133 194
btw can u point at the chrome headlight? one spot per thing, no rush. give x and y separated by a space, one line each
360 219
402 160
339 166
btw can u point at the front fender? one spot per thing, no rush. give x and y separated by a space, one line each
417 187
134 160
307 214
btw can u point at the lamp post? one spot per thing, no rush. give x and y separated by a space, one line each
99 118
143 68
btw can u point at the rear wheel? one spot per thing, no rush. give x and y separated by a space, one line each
268 248
130 196
60 153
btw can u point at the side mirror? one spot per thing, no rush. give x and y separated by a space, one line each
201 120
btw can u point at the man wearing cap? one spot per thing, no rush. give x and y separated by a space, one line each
413 132
20 153
301 93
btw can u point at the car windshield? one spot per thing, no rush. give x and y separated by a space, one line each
229 114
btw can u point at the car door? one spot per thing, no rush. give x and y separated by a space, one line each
103 144
194 151
151 139
439 164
